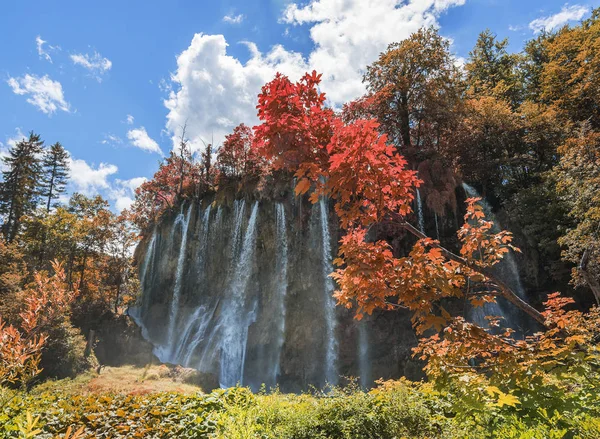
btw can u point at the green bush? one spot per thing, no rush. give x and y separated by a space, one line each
395 410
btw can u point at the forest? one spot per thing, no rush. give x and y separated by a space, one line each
521 130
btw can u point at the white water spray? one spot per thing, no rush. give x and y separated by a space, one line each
364 355
185 222
331 351
282 267
420 212
235 321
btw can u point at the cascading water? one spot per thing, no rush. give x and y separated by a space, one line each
239 208
364 355
282 268
331 351
171 343
508 264
235 321
437 227
254 298
420 212
151 249
202 256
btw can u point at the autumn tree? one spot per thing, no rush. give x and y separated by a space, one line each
578 176
177 178
296 127
19 189
370 184
120 268
94 229
48 301
569 77
236 158
414 91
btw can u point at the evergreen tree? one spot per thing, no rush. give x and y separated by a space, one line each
18 191
492 71
55 173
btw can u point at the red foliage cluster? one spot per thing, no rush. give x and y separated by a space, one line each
296 126
237 158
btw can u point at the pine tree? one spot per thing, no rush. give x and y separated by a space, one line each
18 191
55 173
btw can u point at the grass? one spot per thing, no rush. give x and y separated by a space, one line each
128 380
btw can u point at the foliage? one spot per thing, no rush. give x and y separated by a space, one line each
177 177
48 302
296 127
395 409
414 91
371 277
18 191
55 173
236 158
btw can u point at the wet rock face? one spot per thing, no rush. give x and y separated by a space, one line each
239 291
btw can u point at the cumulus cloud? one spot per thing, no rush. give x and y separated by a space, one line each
43 53
89 180
123 192
130 119
233 19
96 64
43 93
213 91
349 35
566 14
10 142
139 138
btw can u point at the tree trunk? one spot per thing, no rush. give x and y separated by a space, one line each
404 120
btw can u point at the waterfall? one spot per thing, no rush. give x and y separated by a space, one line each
420 212
281 269
508 263
509 258
364 355
187 333
331 353
202 256
234 322
191 338
437 227
239 208
150 250
184 221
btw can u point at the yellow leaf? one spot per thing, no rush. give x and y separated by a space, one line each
507 399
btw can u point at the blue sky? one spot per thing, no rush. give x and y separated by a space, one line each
114 81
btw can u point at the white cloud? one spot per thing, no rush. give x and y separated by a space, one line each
89 180
130 119
140 138
43 92
349 35
123 192
10 143
233 19
111 138
96 64
41 51
213 91
567 14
